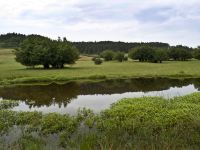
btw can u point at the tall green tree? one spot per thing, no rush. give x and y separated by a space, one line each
196 53
32 51
150 54
142 53
180 53
38 50
119 56
160 55
108 55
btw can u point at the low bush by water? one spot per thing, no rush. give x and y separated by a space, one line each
137 123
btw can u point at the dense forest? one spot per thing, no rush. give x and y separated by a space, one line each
98 47
13 40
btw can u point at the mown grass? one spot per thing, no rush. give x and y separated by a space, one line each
14 73
136 123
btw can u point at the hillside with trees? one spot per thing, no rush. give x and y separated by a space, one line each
11 40
37 50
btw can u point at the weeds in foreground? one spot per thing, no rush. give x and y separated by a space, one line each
138 123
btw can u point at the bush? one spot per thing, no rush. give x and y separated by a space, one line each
98 61
108 55
119 56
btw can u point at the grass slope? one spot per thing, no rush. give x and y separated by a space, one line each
13 73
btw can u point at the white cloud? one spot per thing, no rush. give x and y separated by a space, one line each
176 22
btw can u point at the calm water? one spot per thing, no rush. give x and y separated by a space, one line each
96 96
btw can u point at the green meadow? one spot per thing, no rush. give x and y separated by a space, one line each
85 69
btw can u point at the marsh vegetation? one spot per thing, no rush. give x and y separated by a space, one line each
136 123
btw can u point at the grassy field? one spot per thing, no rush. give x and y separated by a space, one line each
12 72
137 123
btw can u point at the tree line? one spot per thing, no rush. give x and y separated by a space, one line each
99 47
11 40
153 54
32 50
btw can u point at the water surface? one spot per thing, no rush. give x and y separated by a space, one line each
67 98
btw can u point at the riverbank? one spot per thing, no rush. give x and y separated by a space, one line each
135 123
85 70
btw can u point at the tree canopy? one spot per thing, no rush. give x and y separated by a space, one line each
180 52
108 55
153 54
150 54
119 56
39 50
196 53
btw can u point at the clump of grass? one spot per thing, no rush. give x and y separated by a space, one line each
28 142
6 104
54 123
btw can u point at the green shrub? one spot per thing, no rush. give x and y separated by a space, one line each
119 56
98 61
108 55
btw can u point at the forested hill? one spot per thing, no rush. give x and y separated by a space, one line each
98 47
12 40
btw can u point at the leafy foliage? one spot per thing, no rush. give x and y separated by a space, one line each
152 54
11 40
38 50
180 52
108 55
196 53
98 61
120 56
149 54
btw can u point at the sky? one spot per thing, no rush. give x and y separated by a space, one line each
172 21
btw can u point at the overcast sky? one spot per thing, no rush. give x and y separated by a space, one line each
172 21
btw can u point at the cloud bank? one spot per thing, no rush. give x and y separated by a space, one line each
175 22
